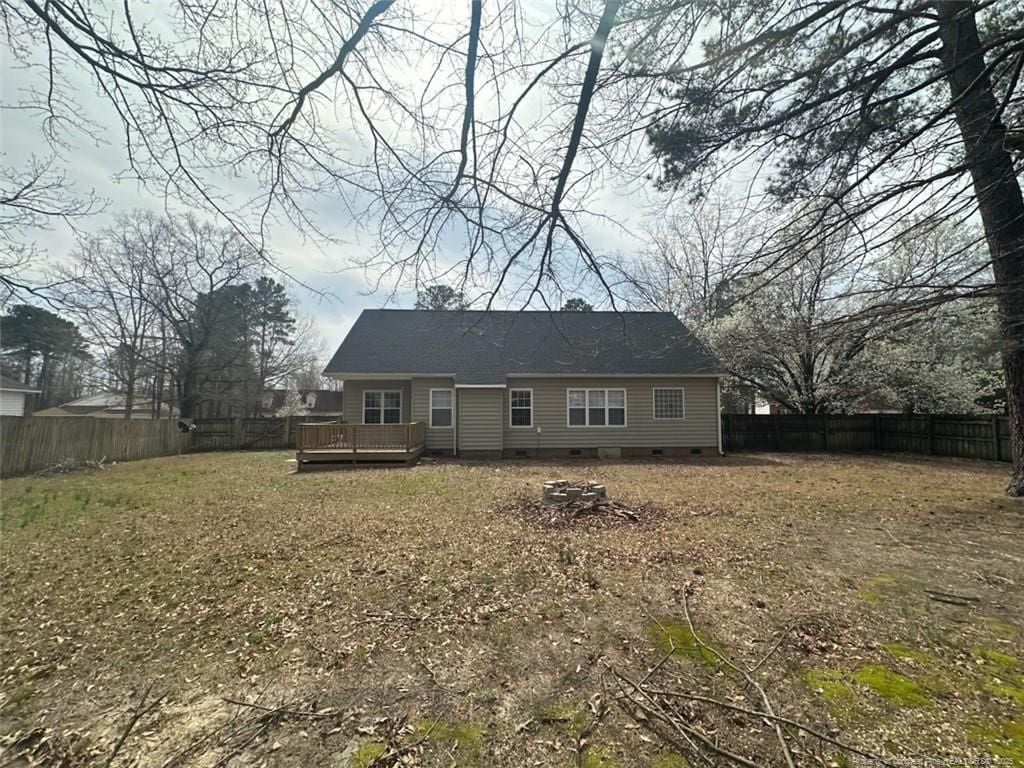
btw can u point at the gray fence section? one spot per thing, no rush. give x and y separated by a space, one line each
249 434
965 436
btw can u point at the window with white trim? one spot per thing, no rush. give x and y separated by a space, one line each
441 407
520 407
669 403
596 407
382 407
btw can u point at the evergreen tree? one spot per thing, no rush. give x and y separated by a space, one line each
44 350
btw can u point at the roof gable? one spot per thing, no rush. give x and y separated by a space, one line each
8 384
483 347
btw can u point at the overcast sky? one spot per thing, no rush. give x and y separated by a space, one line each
339 291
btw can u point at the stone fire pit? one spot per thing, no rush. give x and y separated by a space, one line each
563 492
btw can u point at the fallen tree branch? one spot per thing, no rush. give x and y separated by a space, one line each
140 711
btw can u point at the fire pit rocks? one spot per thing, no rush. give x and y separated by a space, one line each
563 492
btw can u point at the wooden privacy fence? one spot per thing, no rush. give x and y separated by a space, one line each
32 444
255 433
970 437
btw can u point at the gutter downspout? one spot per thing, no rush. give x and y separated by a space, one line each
718 401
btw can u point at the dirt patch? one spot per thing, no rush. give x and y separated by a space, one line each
600 513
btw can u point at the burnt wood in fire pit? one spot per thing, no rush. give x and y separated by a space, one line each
563 491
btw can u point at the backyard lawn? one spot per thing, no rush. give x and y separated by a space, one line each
219 609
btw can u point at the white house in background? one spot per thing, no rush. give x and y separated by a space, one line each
12 396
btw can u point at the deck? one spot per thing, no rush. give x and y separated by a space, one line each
335 443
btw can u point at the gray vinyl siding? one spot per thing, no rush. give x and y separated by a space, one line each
699 429
12 403
353 402
438 438
480 419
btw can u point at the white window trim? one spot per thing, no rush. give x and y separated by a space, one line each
382 392
606 390
520 426
430 407
654 409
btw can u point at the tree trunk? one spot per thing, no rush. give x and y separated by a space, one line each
1000 201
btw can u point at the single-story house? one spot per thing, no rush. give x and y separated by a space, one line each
524 384
316 402
110 405
13 395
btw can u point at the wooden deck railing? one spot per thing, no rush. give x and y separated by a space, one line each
360 437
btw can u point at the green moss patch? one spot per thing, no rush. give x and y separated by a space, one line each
564 715
832 686
464 738
1006 689
901 651
596 757
1003 739
1000 628
670 635
999 659
669 760
368 751
892 686
873 589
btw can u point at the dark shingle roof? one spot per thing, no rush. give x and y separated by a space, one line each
13 385
483 347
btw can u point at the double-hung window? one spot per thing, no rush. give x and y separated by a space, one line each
520 407
597 407
669 403
441 407
382 407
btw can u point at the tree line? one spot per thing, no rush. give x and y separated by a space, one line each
169 311
832 333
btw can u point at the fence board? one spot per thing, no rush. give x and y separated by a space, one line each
31 444
965 436
255 433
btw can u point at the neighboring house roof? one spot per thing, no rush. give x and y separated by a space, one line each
107 405
316 400
98 400
52 411
7 384
478 347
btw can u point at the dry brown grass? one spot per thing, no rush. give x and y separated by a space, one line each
398 604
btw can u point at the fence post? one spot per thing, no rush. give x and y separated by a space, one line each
824 430
996 448
775 423
878 432
288 431
931 433
238 433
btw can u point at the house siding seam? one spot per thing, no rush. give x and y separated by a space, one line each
480 414
438 438
698 430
